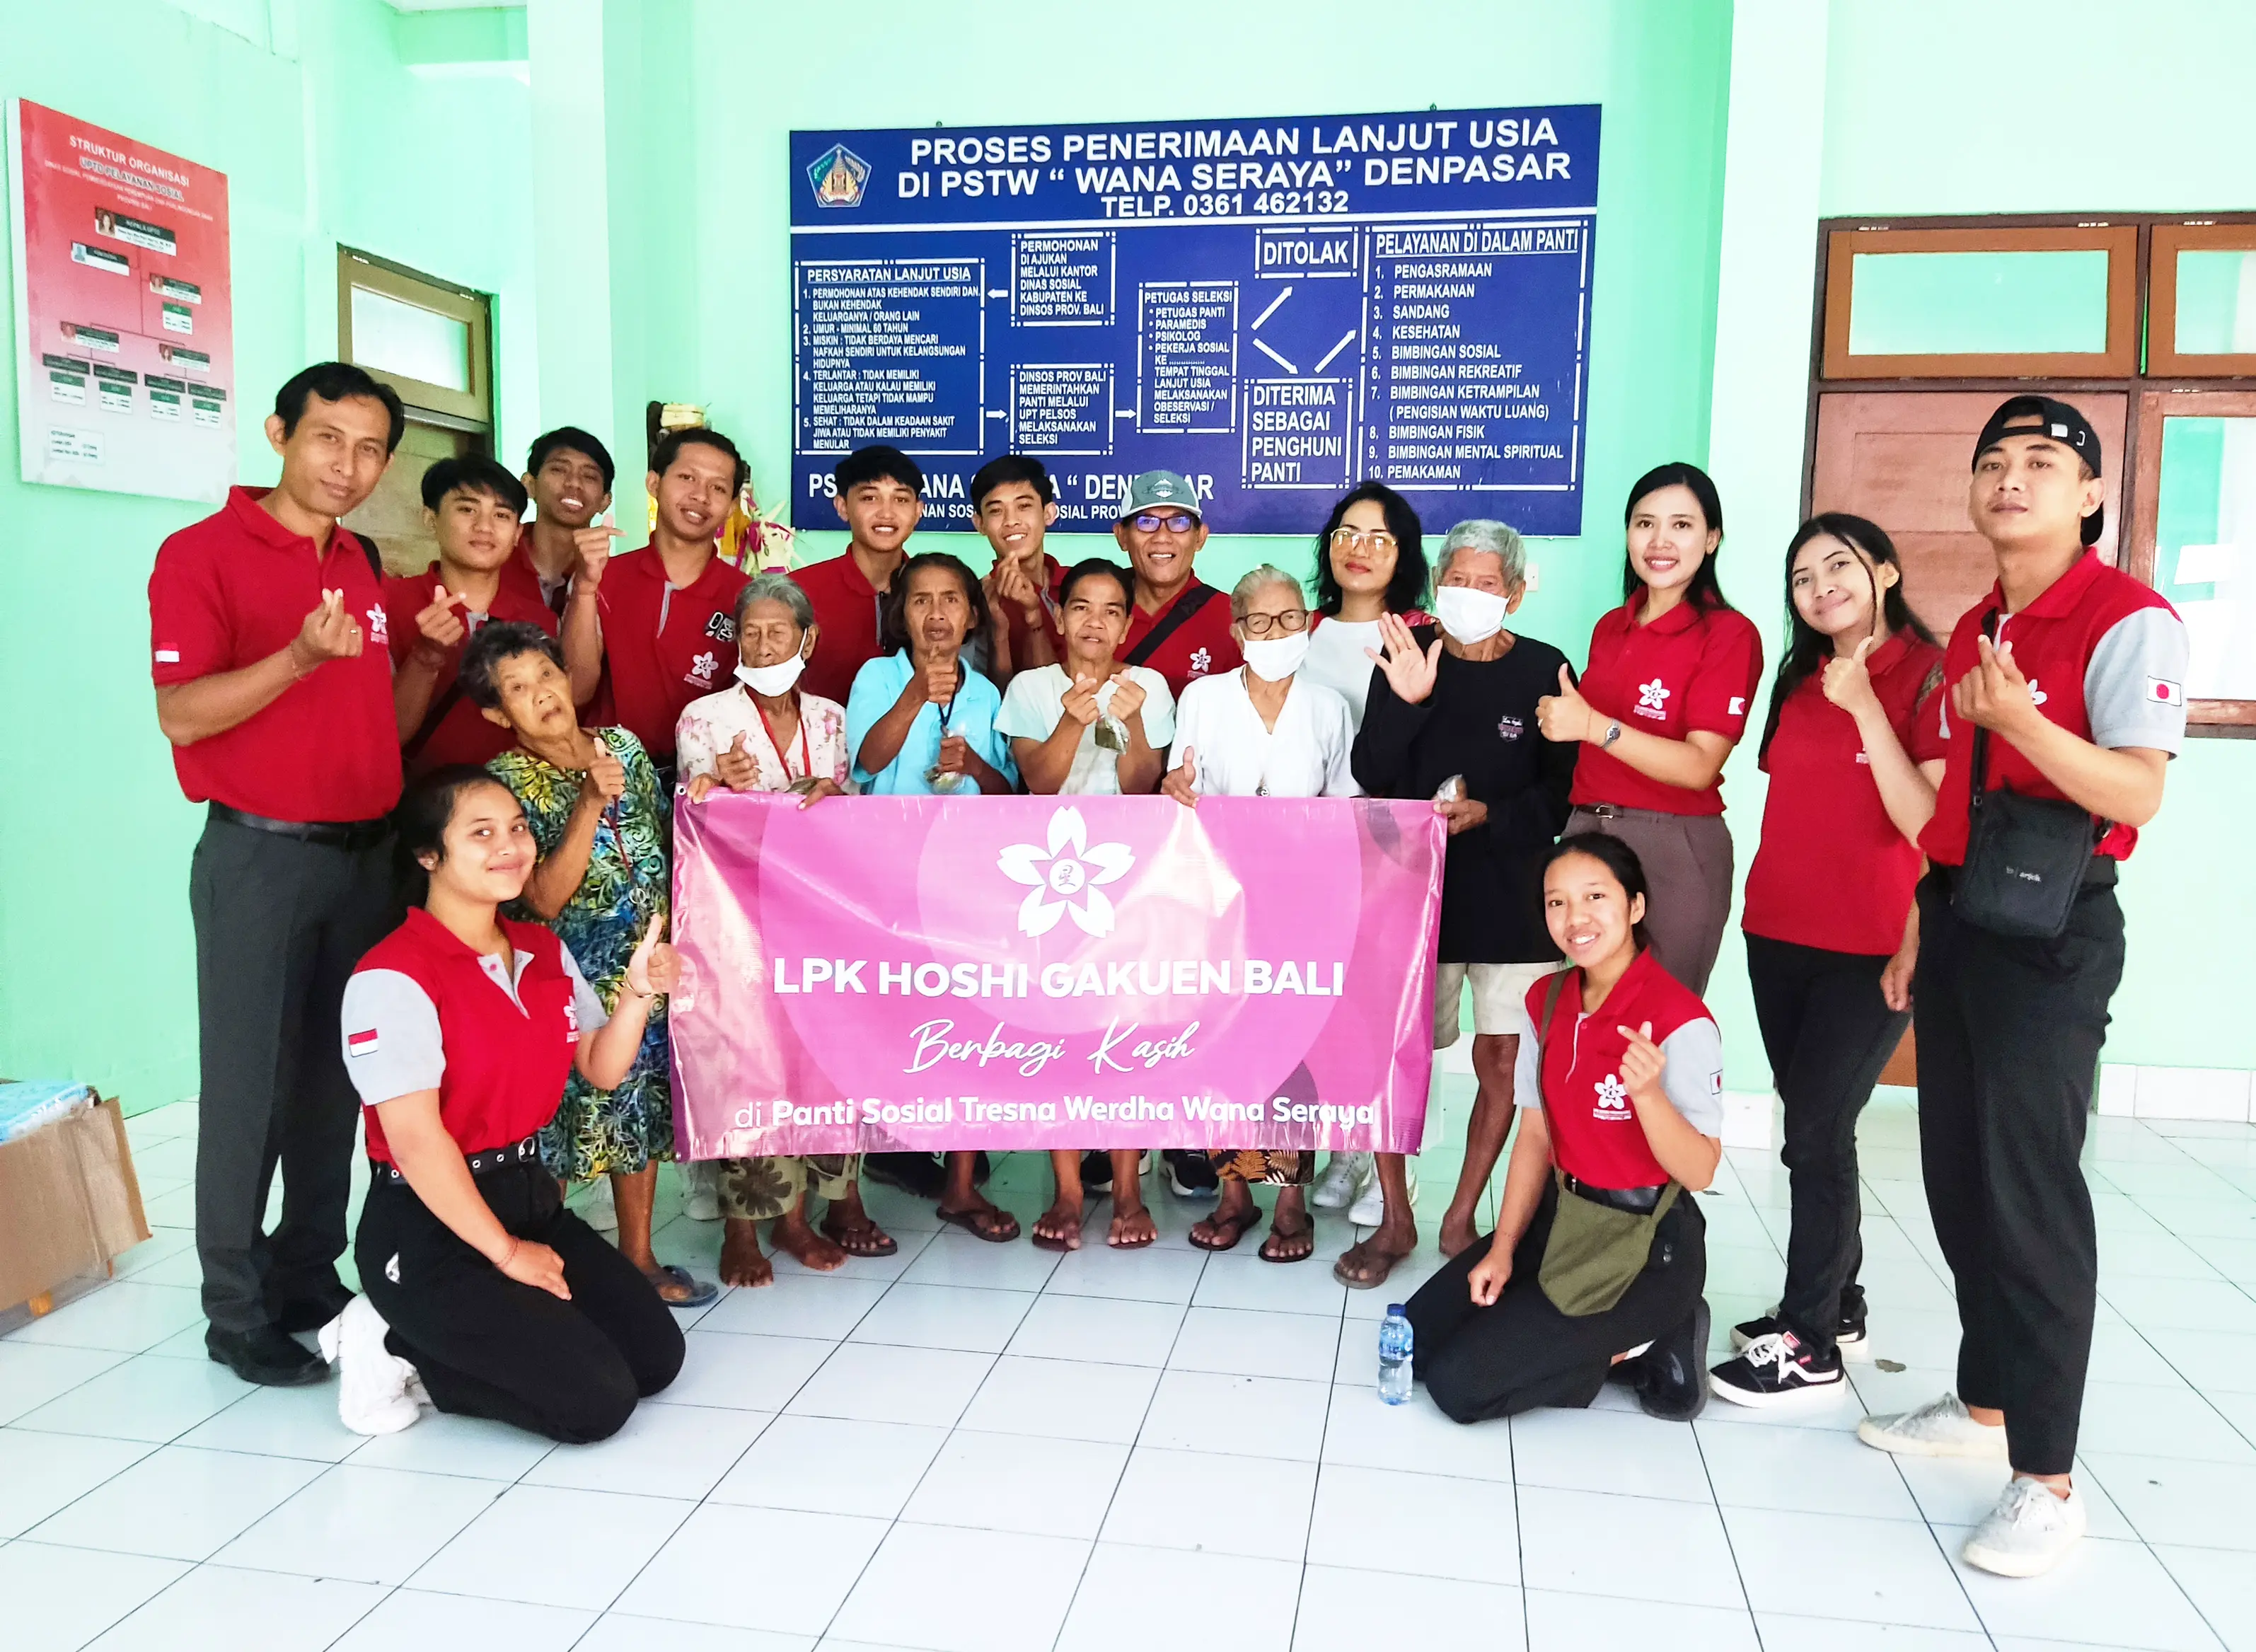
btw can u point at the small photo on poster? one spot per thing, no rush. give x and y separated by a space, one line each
100 258
86 337
171 286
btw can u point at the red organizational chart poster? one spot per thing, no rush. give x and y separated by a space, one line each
125 343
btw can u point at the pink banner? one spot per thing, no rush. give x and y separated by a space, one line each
922 973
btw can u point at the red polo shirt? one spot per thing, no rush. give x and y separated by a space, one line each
663 648
1690 669
2105 659
235 588
454 730
1594 1133
847 608
1833 872
1201 646
522 576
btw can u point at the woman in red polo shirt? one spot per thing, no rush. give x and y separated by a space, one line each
1661 704
484 1294
1621 1109
1854 752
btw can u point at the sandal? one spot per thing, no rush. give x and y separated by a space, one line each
697 1292
986 1222
866 1240
1353 1281
1237 1226
1306 1231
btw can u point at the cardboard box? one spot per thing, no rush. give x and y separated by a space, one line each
69 1202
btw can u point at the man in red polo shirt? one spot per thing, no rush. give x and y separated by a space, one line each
879 495
568 477
269 648
654 629
472 505
1014 502
1179 625
2066 683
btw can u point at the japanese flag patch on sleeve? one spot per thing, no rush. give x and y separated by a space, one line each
364 1043
2163 691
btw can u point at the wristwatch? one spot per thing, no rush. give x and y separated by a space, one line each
1612 733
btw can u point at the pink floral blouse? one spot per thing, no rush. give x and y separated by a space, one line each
709 726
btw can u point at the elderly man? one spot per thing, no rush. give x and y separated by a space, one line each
1456 702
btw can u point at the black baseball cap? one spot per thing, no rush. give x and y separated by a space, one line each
2055 420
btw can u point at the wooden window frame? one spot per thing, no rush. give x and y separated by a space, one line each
470 410
2168 240
2143 525
2118 360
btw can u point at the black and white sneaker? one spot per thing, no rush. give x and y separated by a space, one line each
1777 1370
1191 1173
1849 1337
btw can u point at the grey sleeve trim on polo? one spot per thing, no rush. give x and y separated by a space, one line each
1693 1080
1527 1071
585 1004
2134 688
406 1054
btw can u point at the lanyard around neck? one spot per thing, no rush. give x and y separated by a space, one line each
806 751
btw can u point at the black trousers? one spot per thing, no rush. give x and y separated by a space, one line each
487 1347
2009 1038
1828 1033
1520 1352
280 925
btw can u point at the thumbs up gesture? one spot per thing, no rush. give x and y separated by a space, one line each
1848 683
1181 783
653 967
1564 716
734 767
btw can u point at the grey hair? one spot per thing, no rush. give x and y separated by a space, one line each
774 587
1488 538
1260 578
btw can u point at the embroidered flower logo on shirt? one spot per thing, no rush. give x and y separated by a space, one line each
2036 694
1613 1098
1652 697
378 625
1202 662
702 669
1063 879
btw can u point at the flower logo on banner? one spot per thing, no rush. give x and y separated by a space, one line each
1063 878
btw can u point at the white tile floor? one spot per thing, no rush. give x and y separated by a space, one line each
990 1448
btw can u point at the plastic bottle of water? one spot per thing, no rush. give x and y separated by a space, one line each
1394 1341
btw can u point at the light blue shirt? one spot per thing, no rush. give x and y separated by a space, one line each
878 688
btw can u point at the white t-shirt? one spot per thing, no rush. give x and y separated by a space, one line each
1336 661
1035 700
1305 756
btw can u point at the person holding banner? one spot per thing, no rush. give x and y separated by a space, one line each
598 817
1599 1257
1259 731
1091 727
767 735
919 722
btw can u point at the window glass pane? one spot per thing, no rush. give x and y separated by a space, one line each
2206 549
2216 303
1979 303
410 339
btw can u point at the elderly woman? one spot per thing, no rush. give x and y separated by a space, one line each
1458 701
598 820
765 734
1260 731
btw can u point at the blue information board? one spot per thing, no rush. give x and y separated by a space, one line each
1277 308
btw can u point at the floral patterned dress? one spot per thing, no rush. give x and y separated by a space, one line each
597 1132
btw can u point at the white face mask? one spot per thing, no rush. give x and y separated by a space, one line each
772 681
1274 659
1468 615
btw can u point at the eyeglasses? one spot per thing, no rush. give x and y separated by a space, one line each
1292 620
1360 539
1175 522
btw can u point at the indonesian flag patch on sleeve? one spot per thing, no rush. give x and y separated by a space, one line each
2163 691
362 1043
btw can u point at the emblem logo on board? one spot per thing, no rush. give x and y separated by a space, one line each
838 176
1063 878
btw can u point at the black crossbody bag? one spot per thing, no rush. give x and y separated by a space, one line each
1185 605
2026 857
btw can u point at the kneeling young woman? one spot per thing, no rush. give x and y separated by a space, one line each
460 1027
1598 1258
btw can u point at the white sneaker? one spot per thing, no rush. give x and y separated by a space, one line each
1941 1428
2028 1532
701 1190
1342 1178
600 1209
1369 1207
372 1387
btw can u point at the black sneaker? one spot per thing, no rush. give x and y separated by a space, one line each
1096 1172
1672 1383
266 1355
1778 1370
917 1173
1850 1338
1191 1173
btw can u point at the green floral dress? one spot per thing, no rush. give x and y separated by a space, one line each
597 1132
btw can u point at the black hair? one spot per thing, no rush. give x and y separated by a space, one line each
337 381
571 438
671 444
894 623
492 643
477 474
418 823
1000 472
1095 567
1706 591
876 462
1406 590
1617 858
1807 648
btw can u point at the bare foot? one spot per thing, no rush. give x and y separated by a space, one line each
1457 1231
1233 1218
742 1262
803 1244
847 1225
1059 1227
1131 1230
1292 1238
1365 1264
